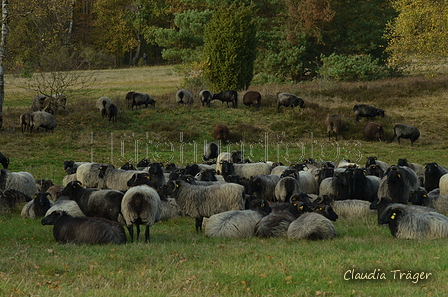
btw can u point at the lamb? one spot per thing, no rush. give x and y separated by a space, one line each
227 96
433 173
95 203
285 188
245 170
252 98
367 111
42 119
11 199
398 182
37 207
184 97
263 186
373 131
211 151
237 223
141 205
206 97
221 132
4 161
138 99
25 122
84 230
204 201
312 226
69 206
406 132
334 124
111 112
102 103
407 224
289 100
21 181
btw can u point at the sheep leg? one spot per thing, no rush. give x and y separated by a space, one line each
199 224
131 232
138 231
147 234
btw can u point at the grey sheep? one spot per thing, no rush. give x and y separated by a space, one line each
246 170
306 179
170 209
406 132
363 186
21 181
4 161
204 201
228 96
140 205
334 125
352 208
367 111
232 157
37 207
10 200
111 112
398 182
116 179
313 226
42 119
69 206
417 168
285 188
138 99
205 96
433 199
101 104
373 131
289 100
383 204
405 223
184 97
235 223
263 186
84 230
95 203
372 160
25 122
87 174
252 98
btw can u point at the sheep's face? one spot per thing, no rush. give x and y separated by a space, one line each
52 218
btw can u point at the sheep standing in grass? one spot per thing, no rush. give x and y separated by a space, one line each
21 181
407 224
205 96
373 131
84 230
25 122
42 119
138 99
289 100
221 132
252 98
204 201
141 205
184 97
406 132
111 112
102 103
334 125
116 179
87 175
228 96
247 170
367 111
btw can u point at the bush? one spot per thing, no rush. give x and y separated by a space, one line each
351 68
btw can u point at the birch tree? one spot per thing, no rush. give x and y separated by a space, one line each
2 56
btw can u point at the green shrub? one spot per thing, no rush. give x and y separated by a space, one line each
351 68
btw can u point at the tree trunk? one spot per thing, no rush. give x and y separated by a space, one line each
2 55
70 27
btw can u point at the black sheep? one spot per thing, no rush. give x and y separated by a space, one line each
433 173
367 111
289 100
397 183
227 96
4 161
206 97
406 132
252 98
211 151
111 112
84 230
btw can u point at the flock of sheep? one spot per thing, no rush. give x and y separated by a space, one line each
232 197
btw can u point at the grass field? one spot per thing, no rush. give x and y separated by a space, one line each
181 262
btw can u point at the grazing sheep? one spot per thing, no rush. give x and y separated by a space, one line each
42 119
4 161
406 132
21 181
373 131
49 104
211 151
289 100
252 98
398 182
334 124
367 111
184 97
84 230
205 96
247 170
141 205
433 173
128 99
25 121
38 206
11 199
111 112
235 223
405 223
102 103
138 99
93 202
263 186
311 226
227 96
69 206
221 132
38 103
285 188
204 201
